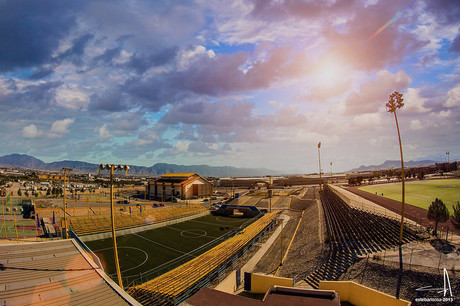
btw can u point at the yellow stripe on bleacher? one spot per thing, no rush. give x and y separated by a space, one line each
174 282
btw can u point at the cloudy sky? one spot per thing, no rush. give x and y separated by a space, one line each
239 83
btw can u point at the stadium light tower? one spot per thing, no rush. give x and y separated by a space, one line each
65 170
396 101
112 168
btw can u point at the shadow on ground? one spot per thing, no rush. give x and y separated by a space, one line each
442 246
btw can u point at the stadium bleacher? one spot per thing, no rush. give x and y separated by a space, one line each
102 223
353 232
178 284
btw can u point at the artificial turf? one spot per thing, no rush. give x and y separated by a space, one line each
151 253
421 193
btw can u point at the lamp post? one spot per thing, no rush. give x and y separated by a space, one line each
448 161
112 168
319 161
396 101
65 170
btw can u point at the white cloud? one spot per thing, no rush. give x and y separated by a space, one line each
453 97
367 121
415 125
31 131
61 127
413 102
187 58
276 103
103 132
444 114
72 98
181 146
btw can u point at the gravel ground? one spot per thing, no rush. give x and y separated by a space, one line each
384 276
306 250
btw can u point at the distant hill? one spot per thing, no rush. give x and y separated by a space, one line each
393 164
30 162
21 160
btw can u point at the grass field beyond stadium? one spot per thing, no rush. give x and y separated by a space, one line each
421 193
157 251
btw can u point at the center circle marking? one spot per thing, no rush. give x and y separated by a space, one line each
193 233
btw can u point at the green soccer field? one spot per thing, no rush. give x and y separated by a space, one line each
25 228
421 193
157 251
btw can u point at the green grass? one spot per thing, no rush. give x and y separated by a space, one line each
157 251
11 231
421 193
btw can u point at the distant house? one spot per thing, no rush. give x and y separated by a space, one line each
182 185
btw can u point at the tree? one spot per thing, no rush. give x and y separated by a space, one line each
19 192
438 213
456 216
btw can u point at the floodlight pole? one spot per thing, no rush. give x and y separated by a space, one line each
112 214
396 101
448 161
65 170
114 238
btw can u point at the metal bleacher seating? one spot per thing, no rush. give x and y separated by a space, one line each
353 232
102 223
175 286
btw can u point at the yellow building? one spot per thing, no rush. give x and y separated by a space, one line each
182 185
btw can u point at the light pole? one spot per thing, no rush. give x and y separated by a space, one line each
396 101
448 161
319 161
65 170
112 168
269 191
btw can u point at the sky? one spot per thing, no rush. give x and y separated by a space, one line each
254 83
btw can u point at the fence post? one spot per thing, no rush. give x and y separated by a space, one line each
440 255
410 263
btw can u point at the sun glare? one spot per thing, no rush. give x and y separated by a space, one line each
329 72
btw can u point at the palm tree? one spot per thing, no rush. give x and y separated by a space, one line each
396 101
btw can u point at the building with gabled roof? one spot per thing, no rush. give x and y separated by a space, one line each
180 185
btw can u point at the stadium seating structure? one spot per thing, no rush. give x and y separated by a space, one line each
353 232
175 286
102 223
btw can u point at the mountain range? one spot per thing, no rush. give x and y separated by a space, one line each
394 164
30 162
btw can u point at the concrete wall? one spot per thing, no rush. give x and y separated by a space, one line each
260 283
228 284
358 295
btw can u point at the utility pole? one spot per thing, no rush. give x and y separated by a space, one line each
65 170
